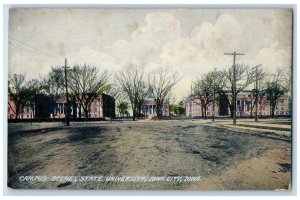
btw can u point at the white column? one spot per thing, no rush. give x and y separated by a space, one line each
242 105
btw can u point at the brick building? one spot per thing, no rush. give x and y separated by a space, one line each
149 107
102 106
41 108
245 106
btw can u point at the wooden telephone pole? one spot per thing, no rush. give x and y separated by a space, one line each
213 118
234 54
191 101
256 93
67 95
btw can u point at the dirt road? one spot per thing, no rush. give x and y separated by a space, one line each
224 159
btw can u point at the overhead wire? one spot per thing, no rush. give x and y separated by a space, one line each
21 43
24 47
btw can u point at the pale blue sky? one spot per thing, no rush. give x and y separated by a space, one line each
188 41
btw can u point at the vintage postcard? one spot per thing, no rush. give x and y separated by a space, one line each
150 99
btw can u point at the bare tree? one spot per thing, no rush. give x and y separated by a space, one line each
288 85
274 88
144 91
87 83
33 90
38 99
204 88
121 99
202 92
54 84
132 82
261 74
17 93
244 76
161 83
288 81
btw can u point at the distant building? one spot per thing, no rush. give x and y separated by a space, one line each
25 113
245 105
149 107
102 106
41 108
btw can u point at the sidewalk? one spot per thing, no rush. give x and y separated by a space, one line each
274 128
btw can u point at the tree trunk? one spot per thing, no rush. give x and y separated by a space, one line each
273 111
272 106
87 114
79 111
160 110
139 112
158 105
74 109
157 112
231 111
133 113
17 113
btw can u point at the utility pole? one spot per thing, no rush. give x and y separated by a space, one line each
234 54
213 118
67 95
110 105
256 93
191 102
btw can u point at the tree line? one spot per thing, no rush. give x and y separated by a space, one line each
221 82
137 85
132 85
85 82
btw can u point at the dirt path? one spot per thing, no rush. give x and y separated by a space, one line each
224 159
